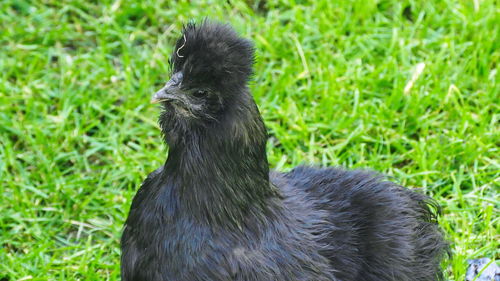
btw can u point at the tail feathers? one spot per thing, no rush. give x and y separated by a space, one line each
430 244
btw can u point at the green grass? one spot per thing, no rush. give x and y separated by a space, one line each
78 134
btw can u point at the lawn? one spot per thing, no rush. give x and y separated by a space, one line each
407 88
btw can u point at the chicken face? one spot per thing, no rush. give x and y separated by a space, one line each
211 66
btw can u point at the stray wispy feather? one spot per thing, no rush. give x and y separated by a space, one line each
214 211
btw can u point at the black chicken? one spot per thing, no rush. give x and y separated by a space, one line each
213 211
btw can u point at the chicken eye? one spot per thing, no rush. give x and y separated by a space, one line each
200 93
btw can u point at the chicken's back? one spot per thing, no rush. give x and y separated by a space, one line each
371 228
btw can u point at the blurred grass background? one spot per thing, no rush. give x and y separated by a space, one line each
333 82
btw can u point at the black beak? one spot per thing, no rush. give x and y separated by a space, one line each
170 91
163 95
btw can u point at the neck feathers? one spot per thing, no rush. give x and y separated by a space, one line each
221 171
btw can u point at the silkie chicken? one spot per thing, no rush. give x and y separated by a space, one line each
214 211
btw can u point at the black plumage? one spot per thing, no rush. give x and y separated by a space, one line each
214 211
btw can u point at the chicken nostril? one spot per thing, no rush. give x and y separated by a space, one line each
176 78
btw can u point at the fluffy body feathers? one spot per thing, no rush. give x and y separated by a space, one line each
214 211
